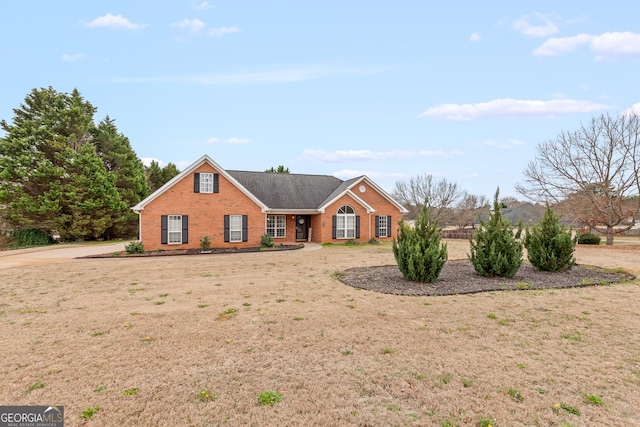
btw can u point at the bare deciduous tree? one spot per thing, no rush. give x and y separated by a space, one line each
469 209
438 194
593 171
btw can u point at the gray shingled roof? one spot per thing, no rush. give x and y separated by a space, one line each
288 190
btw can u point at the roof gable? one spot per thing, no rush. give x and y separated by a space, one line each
188 171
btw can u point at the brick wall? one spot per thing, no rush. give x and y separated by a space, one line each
206 214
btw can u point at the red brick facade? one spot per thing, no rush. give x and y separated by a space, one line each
206 212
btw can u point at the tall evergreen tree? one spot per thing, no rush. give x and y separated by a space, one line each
59 172
158 176
91 204
33 155
128 172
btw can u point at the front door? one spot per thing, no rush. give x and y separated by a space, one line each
302 227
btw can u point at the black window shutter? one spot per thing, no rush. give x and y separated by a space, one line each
226 228
185 229
334 220
196 182
377 226
357 226
389 225
164 229
245 228
216 183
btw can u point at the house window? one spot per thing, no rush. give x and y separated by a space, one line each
235 228
346 223
276 226
383 226
206 182
174 227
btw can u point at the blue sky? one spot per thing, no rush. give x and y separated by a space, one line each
460 90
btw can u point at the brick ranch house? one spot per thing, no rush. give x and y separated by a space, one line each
236 208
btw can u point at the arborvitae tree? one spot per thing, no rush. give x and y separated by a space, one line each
417 250
128 171
496 251
549 244
91 203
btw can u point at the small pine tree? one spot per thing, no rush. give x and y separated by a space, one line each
496 251
418 252
549 244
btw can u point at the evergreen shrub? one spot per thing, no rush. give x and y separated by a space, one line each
266 241
588 239
549 244
495 250
30 237
417 250
134 247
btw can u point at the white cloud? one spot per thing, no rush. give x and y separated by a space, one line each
221 31
614 45
196 26
114 21
475 37
232 140
428 153
634 109
236 140
545 28
147 161
203 6
354 155
507 107
193 26
609 45
557 46
285 75
71 57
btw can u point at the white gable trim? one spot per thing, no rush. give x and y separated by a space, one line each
188 171
380 191
373 185
351 194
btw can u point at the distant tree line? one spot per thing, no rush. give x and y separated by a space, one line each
63 174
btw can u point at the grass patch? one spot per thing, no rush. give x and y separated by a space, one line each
35 386
230 312
88 413
130 392
387 350
593 399
269 398
207 396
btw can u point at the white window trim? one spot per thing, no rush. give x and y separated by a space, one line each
174 234
385 219
346 223
235 227
273 231
206 182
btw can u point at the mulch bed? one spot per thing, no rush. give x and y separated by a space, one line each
213 251
459 277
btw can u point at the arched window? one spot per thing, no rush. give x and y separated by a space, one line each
346 223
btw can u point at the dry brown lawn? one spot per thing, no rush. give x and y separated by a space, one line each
82 333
